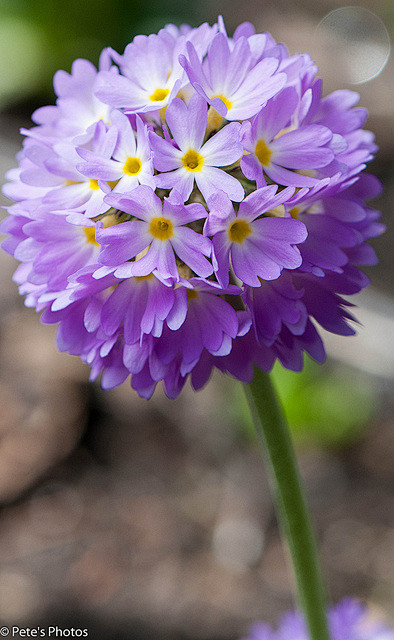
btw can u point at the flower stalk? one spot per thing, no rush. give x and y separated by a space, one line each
294 519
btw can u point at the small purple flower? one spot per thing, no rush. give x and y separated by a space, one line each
54 246
151 74
128 164
77 107
230 81
55 179
193 160
160 228
259 247
274 148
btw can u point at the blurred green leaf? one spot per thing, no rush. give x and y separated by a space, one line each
22 55
328 405
37 37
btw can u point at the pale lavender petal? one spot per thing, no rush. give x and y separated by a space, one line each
286 177
193 68
165 156
251 167
221 248
122 242
68 197
211 179
263 200
301 149
282 253
276 115
181 180
220 206
178 313
217 61
184 214
187 123
119 91
142 203
126 144
284 229
189 248
142 267
114 309
224 147
101 169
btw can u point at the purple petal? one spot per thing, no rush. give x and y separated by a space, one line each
165 156
180 180
224 147
301 149
187 123
250 263
122 242
211 179
275 116
142 203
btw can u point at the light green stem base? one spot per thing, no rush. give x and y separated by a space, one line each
293 514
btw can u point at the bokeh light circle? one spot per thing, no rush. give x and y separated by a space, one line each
356 43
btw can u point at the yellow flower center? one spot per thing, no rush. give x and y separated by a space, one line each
294 212
161 228
228 103
132 166
192 161
263 153
276 212
214 122
191 294
239 230
93 184
285 130
110 219
159 94
70 182
141 278
112 183
90 233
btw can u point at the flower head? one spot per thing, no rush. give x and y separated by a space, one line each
195 203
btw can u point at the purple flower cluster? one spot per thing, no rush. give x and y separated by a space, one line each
349 620
194 203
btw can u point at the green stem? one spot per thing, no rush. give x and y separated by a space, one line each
293 514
